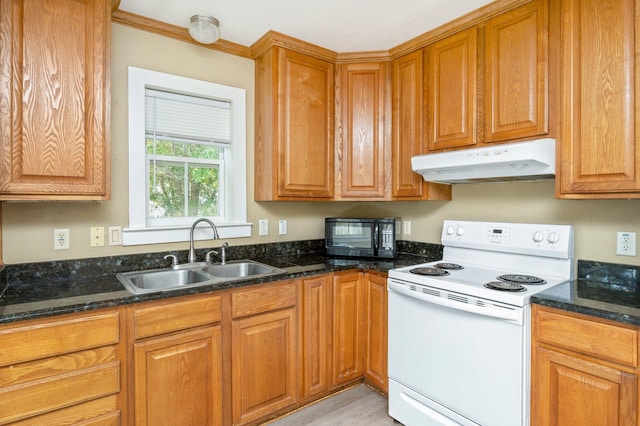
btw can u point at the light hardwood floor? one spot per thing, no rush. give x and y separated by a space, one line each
359 405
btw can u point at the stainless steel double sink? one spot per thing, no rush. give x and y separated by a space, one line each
194 274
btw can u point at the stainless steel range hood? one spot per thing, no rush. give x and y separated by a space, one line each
528 160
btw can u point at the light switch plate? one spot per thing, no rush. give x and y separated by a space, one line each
282 227
263 227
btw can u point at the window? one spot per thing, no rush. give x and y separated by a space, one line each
187 158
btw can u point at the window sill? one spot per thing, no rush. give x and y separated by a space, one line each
159 235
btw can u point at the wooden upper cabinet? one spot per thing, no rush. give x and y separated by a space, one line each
362 148
516 68
408 131
54 98
600 153
451 79
294 141
489 83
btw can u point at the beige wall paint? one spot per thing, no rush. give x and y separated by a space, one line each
28 227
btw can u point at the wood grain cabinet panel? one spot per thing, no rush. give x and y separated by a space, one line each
584 370
54 97
571 391
294 156
65 370
516 61
178 378
600 136
173 315
264 364
348 318
315 330
407 128
375 338
490 83
451 73
363 149
177 360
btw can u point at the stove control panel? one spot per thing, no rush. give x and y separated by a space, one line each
526 238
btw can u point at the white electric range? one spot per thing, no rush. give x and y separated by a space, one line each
459 328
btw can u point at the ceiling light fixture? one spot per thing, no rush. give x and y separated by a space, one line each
204 29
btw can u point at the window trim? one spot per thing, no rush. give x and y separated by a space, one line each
236 225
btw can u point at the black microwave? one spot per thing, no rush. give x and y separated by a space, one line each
351 237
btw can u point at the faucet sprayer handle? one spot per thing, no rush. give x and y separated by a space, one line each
208 255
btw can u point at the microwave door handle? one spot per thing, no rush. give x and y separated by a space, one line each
375 237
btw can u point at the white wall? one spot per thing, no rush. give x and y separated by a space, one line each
28 227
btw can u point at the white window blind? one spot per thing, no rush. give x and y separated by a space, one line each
187 118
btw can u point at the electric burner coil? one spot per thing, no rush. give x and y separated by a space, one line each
450 266
429 271
505 286
521 279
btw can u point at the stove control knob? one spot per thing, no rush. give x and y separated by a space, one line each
538 236
451 230
553 237
460 231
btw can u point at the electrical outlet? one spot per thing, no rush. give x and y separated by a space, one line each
96 236
263 227
60 239
626 244
282 227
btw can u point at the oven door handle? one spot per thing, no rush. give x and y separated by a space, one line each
488 309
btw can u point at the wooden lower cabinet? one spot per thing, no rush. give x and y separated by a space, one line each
315 335
347 329
238 356
584 370
66 370
178 378
263 351
375 338
177 362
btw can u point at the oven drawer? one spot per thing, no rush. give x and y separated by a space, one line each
589 336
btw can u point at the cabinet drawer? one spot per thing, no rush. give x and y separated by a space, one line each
605 341
34 341
263 299
42 396
99 412
173 316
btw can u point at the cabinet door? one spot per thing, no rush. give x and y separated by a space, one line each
516 74
375 354
178 378
569 391
263 364
294 126
347 327
361 146
599 137
54 99
451 66
408 137
316 335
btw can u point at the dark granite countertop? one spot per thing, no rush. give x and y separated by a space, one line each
55 288
603 290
